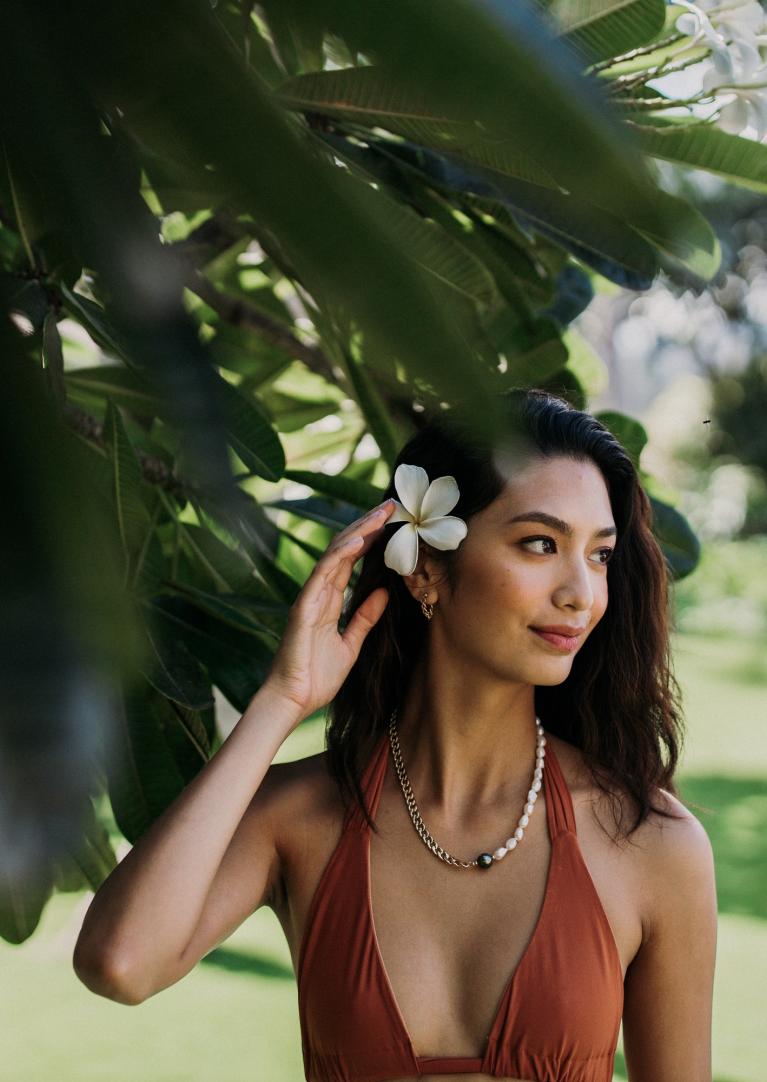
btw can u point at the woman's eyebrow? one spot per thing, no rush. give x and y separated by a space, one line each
558 523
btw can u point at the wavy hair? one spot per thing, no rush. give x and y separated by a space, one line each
621 703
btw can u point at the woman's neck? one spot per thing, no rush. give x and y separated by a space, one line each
466 741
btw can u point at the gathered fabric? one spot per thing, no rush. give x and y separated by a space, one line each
558 1018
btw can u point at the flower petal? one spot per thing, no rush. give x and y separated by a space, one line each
711 79
441 496
444 533
733 118
687 23
399 514
411 483
401 553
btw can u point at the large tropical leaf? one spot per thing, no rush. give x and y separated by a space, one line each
250 432
501 65
143 776
237 662
349 489
22 907
370 97
174 672
680 545
600 29
628 430
704 146
118 383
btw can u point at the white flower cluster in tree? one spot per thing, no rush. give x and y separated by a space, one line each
734 32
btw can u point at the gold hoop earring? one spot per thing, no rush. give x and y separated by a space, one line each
427 610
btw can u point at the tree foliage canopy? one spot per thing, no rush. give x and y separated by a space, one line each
220 225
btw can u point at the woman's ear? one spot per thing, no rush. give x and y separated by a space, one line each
426 578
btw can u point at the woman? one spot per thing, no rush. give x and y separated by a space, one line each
445 873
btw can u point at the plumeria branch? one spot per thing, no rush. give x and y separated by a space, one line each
628 82
645 50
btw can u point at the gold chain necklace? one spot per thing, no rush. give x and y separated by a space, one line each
484 860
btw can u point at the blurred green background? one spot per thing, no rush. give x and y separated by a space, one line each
235 1016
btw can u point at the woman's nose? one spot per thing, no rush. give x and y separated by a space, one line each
577 587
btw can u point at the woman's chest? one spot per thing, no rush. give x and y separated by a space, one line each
450 943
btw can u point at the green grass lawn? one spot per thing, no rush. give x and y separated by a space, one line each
234 1018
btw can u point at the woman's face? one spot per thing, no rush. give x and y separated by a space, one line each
517 575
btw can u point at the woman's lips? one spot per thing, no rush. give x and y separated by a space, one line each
566 643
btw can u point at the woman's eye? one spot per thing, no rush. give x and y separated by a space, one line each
605 553
536 540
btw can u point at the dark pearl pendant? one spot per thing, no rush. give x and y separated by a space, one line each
484 860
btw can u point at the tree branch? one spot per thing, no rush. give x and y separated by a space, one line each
239 313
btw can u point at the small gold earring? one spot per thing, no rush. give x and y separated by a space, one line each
427 610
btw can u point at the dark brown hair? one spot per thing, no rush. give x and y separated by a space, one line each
620 704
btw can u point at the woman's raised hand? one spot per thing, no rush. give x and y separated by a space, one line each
313 658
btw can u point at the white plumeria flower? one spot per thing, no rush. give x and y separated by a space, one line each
423 510
731 34
740 21
747 109
695 23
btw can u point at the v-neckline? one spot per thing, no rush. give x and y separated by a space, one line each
510 983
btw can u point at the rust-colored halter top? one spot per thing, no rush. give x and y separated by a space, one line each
558 1017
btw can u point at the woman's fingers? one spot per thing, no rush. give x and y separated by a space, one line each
343 545
335 565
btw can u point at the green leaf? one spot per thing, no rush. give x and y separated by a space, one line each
143 777
630 432
608 245
248 428
174 672
188 736
96 323
599 29
93 857
502 67
297 35
348 489
237 663
316 510
221 566
132 515
370 97
22 907
680 545
245 352
250 433
292 414
431 249
122 385
691 244
53 357
238 610
704 146
373 409
533 353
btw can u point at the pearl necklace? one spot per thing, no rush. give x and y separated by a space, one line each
484 860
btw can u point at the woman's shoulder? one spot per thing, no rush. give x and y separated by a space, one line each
670 842
305 795
304 780
668 824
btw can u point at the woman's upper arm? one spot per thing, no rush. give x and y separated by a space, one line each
669 984
250 874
